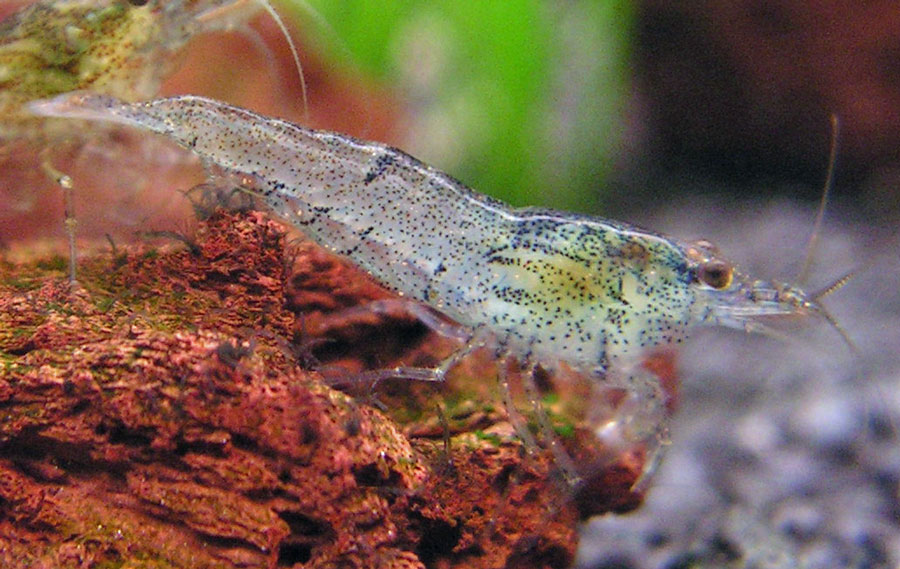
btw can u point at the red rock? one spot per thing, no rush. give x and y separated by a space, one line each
161 414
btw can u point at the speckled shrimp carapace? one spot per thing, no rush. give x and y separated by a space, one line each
545 287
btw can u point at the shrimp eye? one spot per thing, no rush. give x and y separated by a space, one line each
716 273
138 2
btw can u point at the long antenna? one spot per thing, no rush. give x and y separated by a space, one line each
823 203
216 12
296 56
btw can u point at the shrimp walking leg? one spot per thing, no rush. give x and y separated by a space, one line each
519 423
565 463
438 374
569 478
427 316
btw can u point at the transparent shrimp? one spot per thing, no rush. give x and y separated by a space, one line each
545 289
116 47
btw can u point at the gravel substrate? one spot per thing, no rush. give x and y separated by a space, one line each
785 452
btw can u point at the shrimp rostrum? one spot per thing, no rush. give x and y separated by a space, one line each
544 289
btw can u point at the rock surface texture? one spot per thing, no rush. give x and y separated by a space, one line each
163 414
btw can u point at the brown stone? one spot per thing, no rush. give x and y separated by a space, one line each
163 414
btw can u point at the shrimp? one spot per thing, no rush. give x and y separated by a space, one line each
123 48
544 289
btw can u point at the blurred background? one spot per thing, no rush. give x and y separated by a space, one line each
697 119
580 104
564 104
597 106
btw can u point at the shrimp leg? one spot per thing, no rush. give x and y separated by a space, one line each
438 374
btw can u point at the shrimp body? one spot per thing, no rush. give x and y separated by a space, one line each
550 286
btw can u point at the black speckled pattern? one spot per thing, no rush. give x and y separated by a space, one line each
552 285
